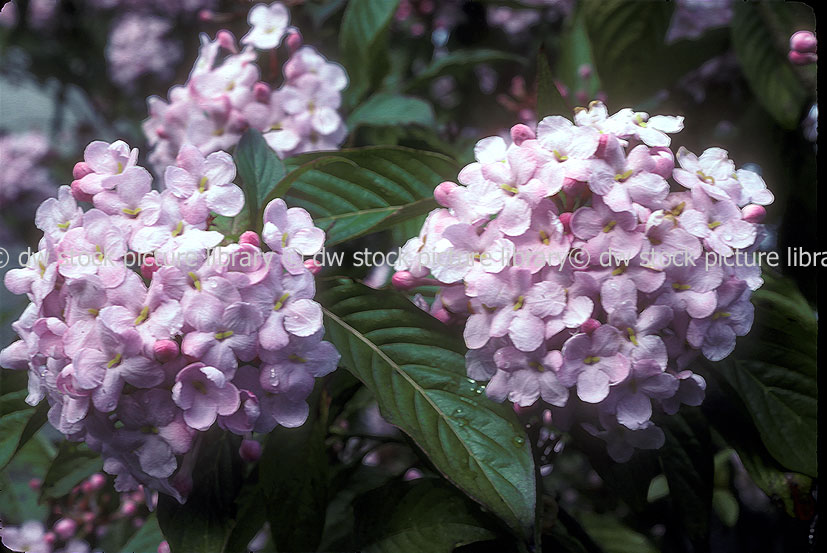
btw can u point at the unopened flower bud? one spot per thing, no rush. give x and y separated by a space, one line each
249 237
79 194
129 508
226 40
802 58
565 218
80 170
261 92
294 40
250 451
412 474
163 547
442 193
442 314
664 161
165 350
97 481
590 325
803 41
520 133
35 483
404 280
65 528
584 71
754 213
49 538
313 266
148 267
206 15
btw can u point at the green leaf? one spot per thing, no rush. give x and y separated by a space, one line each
774 371
574 52
549 99
250 518
146 538
203 524
73 464
613 536
416 370
625 39
14 416
687 461
764 64
382 186
457 61
260 170
385 110
293 472
423 515
361 40
284 184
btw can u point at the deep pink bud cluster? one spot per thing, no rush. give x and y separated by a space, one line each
85 515
142 332
587 257
225 97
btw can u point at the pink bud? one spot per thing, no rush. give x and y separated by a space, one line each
664 161
35 483
226 40
803 41
138 522
313 266
442 314
86 488
547 417
162 132
250 451
561 88
129 508
206 15
249 237
50 538
80 170
800 58
261 92
165 350
404 280
79 194
590 325
148 267
163 547
754 213
97 481
520 133
412 474
294 40
585 71
442 193
565 218
65 528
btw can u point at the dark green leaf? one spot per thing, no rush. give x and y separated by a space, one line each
361 39
260 170
423 515
549 99
74 463
613 536
293 476
687 461
15 414
385 110
295 173
765 66
250 519
774 371
416 370
624 37
146 539
203 524
383 186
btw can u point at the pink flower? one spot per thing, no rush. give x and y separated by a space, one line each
203 393
269 24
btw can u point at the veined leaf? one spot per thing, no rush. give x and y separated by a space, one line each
260 170
385 109
423 515
74 463
416 370
381 186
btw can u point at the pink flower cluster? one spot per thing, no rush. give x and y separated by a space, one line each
83 516
141 334
581 258
224 97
